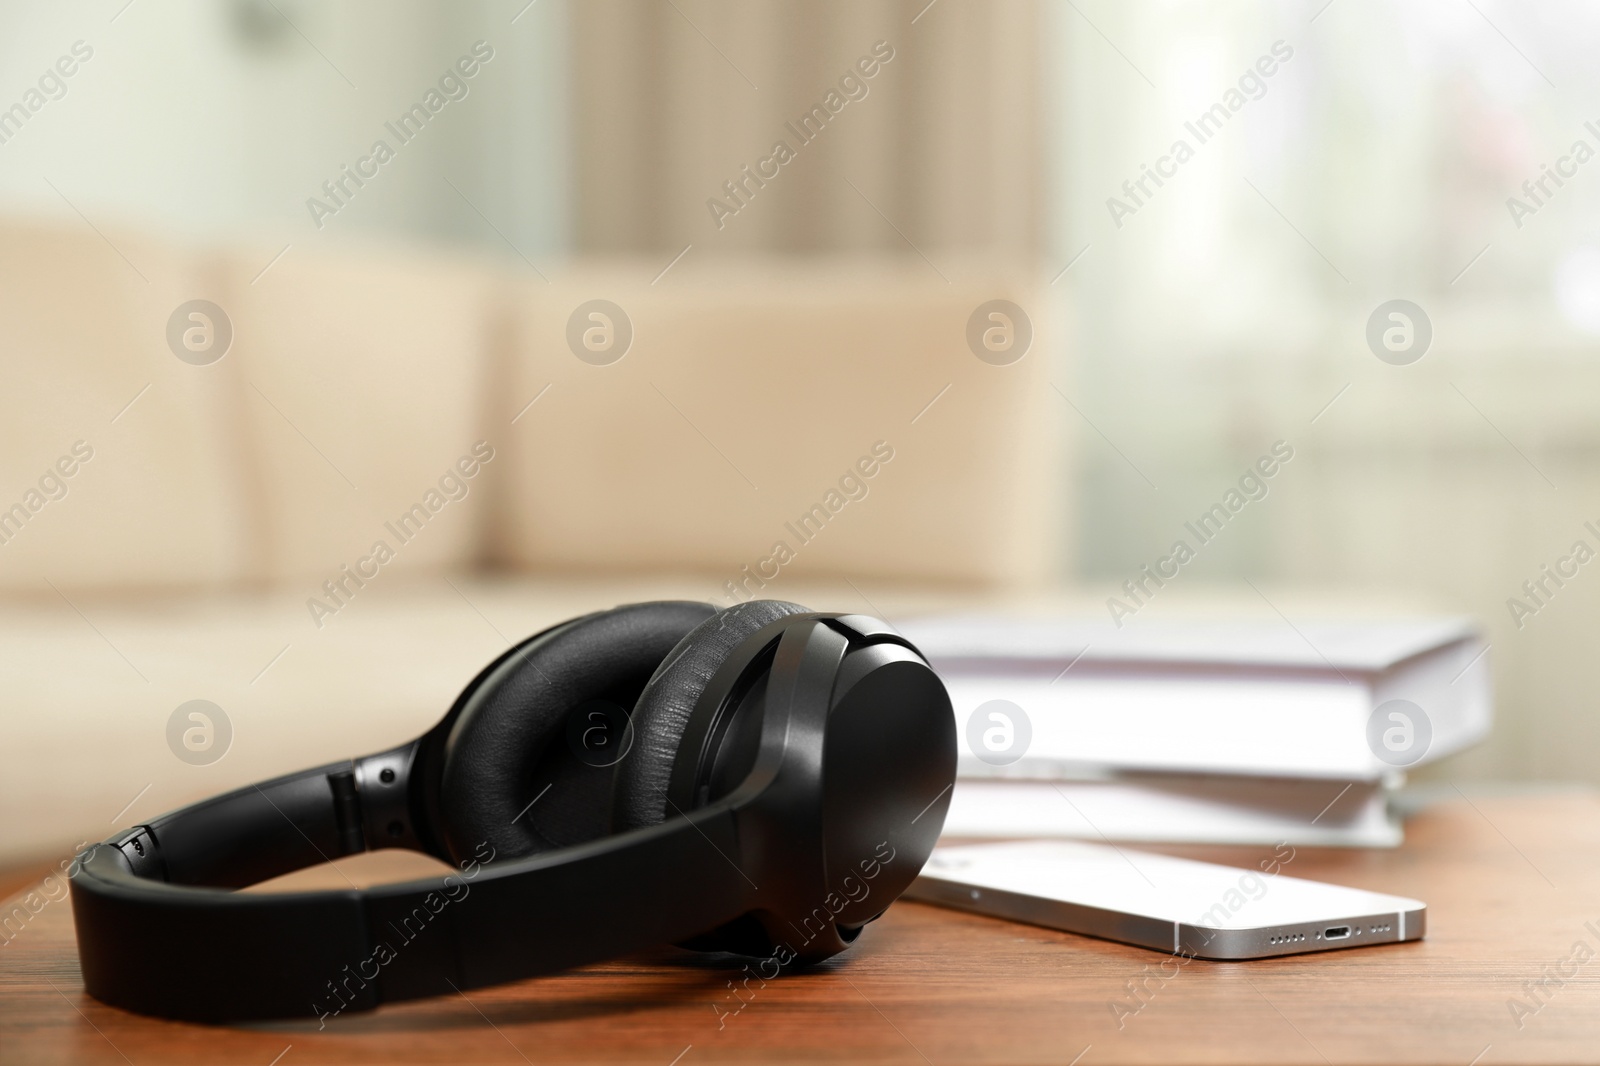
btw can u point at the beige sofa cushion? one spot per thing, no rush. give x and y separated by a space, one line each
363 378
749 394
83 321
343 413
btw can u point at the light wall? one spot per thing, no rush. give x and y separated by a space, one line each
212 119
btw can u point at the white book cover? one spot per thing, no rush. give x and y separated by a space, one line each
1180 810
1349 644
1229 697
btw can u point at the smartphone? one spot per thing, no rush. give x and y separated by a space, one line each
1197 909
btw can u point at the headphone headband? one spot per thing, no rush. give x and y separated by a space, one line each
228 955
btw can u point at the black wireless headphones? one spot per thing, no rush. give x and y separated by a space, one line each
780 781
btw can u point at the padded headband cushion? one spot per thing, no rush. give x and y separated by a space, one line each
664 708
509 748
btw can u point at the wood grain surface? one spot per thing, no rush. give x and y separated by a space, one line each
1512 885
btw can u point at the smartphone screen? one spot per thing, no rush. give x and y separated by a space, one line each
1181 906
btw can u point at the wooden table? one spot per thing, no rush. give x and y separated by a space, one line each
1511 883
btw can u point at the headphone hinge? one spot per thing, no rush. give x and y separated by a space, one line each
143 855
382 794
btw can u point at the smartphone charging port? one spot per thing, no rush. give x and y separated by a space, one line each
1336 932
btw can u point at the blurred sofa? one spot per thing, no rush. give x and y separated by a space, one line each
218 536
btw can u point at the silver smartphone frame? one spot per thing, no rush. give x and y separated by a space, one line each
1401 920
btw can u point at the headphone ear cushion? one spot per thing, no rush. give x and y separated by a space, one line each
662 713
508 745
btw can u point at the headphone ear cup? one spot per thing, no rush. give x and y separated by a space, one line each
667 702
512 778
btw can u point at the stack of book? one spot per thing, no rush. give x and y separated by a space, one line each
1222 732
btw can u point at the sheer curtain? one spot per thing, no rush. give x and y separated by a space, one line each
939 149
